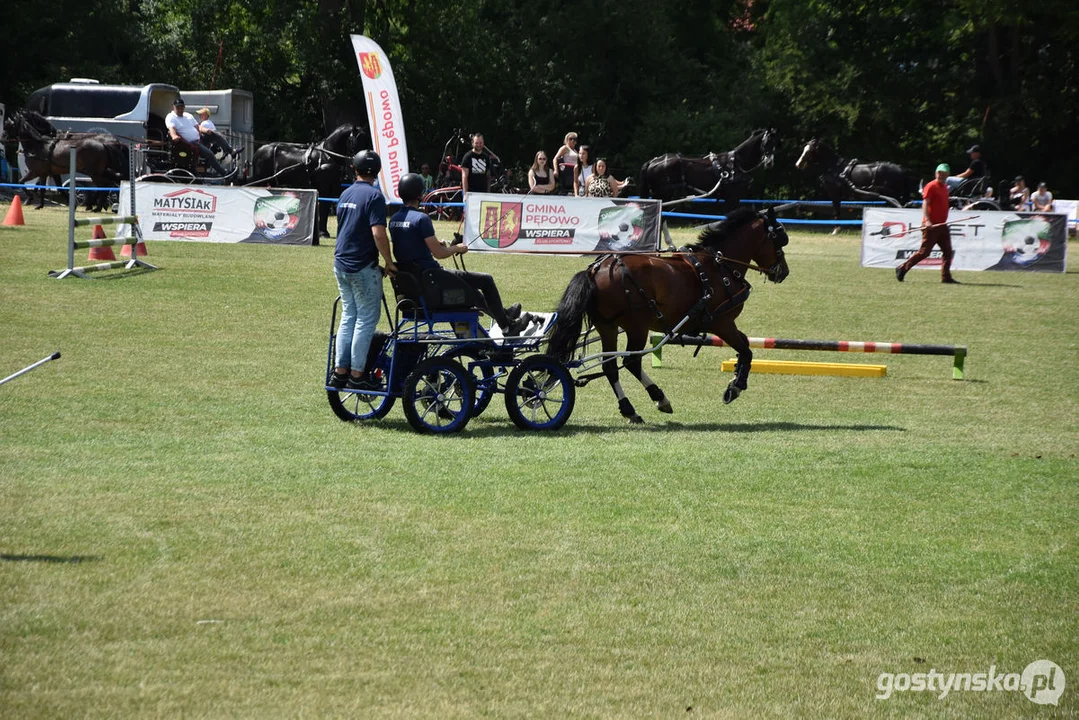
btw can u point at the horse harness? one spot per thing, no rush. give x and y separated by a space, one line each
734 285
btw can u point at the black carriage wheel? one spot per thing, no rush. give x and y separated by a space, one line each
351 406
438 396
983 205
482 377
540 394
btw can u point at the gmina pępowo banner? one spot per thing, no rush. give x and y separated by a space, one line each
560 224
981 240
210 213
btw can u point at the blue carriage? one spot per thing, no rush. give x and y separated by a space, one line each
446 366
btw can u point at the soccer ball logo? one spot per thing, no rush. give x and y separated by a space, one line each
276 215
1027 240
620 227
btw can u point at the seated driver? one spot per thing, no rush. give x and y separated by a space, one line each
416 249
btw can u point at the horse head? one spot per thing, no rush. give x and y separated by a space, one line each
769 144
747 235
345 141
815 153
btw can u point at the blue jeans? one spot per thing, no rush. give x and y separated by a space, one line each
361 305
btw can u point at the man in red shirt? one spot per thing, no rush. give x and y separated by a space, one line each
935 230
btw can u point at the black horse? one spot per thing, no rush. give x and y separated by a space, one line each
322 167
726 176
850 180
100 155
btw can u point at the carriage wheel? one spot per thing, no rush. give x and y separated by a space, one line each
351 406
438 396
540 394
984 205
482 377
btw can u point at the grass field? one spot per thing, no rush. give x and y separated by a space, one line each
186 529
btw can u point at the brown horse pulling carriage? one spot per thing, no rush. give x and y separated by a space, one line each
701 288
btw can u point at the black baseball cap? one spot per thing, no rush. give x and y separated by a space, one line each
179 101
1018 178
974 148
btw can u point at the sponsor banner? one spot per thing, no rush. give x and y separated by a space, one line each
981 239
539 223
212 213
383 114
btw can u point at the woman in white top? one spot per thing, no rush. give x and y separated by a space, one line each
564 162
603 185
582 171
540 176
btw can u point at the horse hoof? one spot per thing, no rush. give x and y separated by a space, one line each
730 395
665 407
323 234
635 420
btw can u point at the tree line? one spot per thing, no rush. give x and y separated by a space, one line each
910 81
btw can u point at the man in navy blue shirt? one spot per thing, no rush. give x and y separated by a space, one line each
361 238
417 249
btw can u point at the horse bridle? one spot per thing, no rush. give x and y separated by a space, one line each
774 226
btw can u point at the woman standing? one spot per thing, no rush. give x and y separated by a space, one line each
582 171
603 185
564 161
540 176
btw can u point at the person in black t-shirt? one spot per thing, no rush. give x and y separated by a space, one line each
476 165
976 169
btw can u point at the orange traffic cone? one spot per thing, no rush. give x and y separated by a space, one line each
101 253
140 250
14 213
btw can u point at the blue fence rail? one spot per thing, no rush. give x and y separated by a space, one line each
670 214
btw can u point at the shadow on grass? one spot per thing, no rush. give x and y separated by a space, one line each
63 559
670 426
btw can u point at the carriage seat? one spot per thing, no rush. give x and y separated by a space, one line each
434 291
972 187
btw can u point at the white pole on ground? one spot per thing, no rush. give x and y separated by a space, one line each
71 210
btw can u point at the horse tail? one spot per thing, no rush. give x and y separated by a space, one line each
642 187
571 311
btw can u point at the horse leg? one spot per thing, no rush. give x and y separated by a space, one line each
608 335
636 341
40 194
835 214
736 339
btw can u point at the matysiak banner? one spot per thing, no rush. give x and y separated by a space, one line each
383 114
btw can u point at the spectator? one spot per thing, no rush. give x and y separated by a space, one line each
476 167
565 160
428 179
582 171
361 238
1019 195
183 129
209 135
1043 199
935 230
600 184
540 176
976 168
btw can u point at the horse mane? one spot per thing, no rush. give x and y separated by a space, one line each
39 123
715 234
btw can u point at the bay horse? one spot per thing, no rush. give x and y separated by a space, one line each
321 166
703 283
850 180
98 155
672 176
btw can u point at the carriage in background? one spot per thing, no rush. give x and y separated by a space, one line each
135 115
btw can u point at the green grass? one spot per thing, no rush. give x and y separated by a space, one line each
188 530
